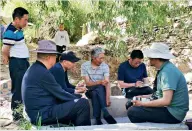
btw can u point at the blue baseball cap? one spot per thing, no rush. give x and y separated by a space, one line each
69 56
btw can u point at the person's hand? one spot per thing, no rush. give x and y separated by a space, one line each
138 83
5 60
108 101
80 84
81 89
136 103
84 96
104 82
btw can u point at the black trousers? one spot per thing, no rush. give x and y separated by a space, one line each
17 69
72 112
60 49
136 91
97 94
152 114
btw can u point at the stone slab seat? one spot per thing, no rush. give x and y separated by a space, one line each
121 126
117 110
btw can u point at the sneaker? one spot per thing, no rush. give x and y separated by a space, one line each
97 122
109 119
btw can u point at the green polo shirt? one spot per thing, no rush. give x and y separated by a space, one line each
171 78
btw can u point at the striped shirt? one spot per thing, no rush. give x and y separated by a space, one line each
95 74
15 38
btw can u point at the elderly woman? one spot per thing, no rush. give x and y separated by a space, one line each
96 76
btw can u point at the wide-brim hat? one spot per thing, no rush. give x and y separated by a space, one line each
158 50
47 47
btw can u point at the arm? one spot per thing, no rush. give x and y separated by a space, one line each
59 76
67 39
8 40
5 53
88 82
164 101
49 83
168 87
108 92
122 84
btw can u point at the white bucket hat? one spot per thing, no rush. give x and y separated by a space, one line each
158 50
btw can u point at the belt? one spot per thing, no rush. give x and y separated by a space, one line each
19 58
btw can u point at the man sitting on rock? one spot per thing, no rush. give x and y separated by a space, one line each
44 99
59 71
132 74
96 76
172 101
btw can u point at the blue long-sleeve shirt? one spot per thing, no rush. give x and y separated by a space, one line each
62 78
40 91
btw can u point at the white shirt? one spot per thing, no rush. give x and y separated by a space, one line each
62 38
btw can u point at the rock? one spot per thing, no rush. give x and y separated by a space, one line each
87 39
190 35
116 91
172 40
5 112
120 19
186 52
5 122
176 54
188 77
190 3
176 25
189 43
184 67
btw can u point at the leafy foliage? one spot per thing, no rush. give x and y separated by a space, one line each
143 17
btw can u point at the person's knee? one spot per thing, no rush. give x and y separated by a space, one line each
131 111
84 103
149 90
100 89
94 95
132 114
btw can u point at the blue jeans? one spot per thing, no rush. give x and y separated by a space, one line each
17 69
97 94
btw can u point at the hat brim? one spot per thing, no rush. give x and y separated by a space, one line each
45 52
75 60
150 53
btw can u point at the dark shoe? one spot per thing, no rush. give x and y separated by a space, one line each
128 104
97 122
109 119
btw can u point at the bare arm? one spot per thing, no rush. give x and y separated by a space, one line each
164 101
88 82
5 53
108 92
122 84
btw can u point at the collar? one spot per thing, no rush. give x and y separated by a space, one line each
14 28
163 65
40 63
96 67
62 67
